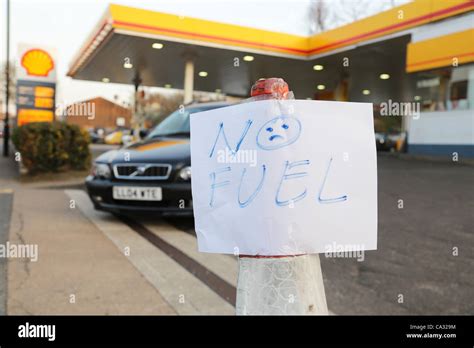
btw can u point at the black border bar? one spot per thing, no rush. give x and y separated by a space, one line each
242 330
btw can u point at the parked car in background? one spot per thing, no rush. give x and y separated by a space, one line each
153 174
128 137
384 142
115 137
396 140
95 138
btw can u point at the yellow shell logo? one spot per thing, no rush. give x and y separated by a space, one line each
37 62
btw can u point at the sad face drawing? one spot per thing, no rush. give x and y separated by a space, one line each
278 132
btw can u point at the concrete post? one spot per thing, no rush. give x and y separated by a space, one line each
291 285
288 284
188 80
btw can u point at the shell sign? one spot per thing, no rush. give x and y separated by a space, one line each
36 84
37 62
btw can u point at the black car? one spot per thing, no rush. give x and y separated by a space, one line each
150 175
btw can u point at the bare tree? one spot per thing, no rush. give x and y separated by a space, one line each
326 14
153 107
318 16
353 10
156 106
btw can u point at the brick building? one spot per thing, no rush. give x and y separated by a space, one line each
97 113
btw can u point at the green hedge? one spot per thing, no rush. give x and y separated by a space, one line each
52 147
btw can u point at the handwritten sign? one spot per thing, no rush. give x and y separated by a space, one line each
284 177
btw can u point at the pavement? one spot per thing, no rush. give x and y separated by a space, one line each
8 174
6 198
92 262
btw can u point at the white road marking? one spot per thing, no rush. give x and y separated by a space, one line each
184 292
225 266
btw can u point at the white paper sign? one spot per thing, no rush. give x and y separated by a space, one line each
284 178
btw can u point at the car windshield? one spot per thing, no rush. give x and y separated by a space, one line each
177 123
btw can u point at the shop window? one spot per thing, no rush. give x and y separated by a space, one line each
446 89
458 97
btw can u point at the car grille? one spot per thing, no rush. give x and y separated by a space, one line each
142 171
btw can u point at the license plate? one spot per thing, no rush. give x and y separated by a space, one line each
132 193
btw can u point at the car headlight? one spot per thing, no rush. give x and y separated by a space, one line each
185 173
101 170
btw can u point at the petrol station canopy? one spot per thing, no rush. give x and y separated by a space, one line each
156 47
